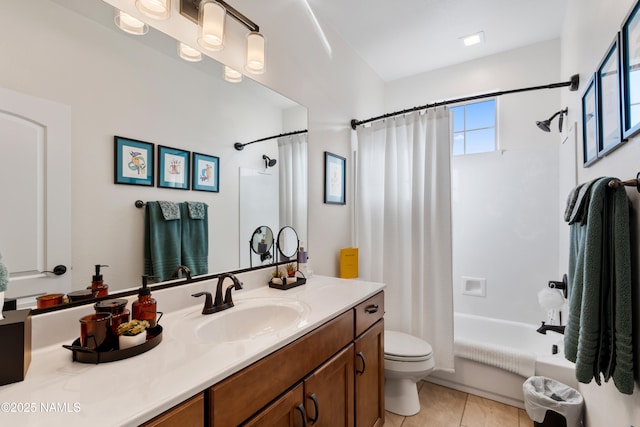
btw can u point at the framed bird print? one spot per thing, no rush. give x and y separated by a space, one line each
206 173
133 162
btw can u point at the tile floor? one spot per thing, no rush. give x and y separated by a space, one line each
444 407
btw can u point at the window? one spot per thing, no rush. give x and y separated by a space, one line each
474 128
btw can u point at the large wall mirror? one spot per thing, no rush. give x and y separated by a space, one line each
70 52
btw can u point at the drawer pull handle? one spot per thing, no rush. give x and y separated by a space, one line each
314 399
372 308
364 363
303 414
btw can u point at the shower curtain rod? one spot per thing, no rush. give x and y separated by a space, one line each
573 86
239 146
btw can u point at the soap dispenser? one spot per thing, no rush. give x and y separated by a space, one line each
97 284
145 307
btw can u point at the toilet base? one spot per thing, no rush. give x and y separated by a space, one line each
401 397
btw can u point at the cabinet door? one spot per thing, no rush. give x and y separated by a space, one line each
188 413
287 411
369 369
328 392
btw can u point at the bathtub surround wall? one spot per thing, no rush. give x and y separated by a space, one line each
588 29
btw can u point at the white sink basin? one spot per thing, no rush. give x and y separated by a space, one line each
253 318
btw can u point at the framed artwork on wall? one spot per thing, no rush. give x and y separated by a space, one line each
206 173
609 106
630 64
133 162
590 123
334 179
173 168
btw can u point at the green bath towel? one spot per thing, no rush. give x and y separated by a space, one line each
599 327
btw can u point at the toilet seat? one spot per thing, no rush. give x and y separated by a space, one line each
403 347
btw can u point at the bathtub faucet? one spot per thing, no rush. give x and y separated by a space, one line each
555 328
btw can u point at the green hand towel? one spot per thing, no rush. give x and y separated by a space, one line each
195 237
162 240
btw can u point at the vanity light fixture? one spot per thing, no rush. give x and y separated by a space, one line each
545 124
210 15
188 53
129 24
156 9
211 20
231 75
255 53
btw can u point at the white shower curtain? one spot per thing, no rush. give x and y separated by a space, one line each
292 155
403 224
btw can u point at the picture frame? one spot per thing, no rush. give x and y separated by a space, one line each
334 179
133 162
173 168
206 173
609 104
630 64
590 123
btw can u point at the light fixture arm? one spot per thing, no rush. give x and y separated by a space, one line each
189 8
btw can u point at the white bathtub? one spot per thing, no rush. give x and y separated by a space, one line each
495 383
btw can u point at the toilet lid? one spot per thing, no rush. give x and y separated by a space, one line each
398 345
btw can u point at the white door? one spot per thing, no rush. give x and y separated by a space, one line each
35 194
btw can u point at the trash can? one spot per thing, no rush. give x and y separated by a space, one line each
550 403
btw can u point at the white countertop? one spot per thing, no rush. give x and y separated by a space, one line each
129 392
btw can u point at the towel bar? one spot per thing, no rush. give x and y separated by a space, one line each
614 183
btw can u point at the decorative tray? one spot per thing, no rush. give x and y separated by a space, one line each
86 355
284 286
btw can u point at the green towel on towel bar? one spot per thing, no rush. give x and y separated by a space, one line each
162 243
598 333
195 237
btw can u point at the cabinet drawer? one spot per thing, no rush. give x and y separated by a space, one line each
369 312
244 393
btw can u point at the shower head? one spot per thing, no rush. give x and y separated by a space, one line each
545 125
269 163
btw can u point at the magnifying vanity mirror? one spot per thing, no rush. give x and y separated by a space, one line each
112 83
288 244
261 244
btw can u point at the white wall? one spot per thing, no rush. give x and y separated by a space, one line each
589 28
505 204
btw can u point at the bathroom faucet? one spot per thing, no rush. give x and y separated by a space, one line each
214 306
185 270
555 328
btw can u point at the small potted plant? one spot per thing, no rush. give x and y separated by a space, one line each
291 269
133 333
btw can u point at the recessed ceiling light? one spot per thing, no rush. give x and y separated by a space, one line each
471 39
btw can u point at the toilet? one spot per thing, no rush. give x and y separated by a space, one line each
407 360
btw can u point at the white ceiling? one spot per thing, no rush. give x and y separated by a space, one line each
400 38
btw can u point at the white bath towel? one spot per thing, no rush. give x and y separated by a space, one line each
507 358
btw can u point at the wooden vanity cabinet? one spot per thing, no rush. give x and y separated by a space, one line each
329 394
188 413
369 362
369 377
236 398
286 411
333 376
